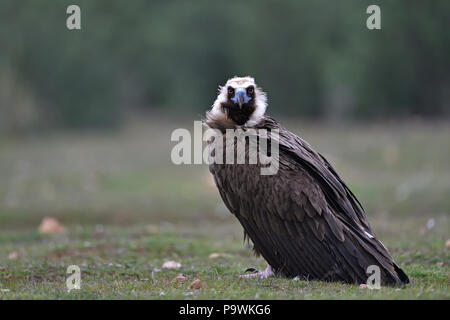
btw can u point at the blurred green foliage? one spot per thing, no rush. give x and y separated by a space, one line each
316 58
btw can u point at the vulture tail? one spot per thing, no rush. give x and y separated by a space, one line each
401 275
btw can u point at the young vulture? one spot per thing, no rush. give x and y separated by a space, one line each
303 220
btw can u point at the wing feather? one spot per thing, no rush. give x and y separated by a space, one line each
304 220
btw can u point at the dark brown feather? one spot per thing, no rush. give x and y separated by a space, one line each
304 220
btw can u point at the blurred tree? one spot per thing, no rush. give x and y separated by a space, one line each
316 58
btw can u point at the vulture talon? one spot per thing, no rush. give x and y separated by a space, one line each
259 273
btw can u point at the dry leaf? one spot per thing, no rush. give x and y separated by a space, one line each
179 279
9 276
196 284
51 226
171 265
3 268
14 255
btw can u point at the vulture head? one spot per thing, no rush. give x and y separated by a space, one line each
240 102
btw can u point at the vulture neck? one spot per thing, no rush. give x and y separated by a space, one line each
225 120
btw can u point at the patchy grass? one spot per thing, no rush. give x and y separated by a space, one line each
128 210
126 263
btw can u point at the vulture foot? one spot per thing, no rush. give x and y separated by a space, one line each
261 274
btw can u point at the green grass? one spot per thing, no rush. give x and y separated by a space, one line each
126 263
128 210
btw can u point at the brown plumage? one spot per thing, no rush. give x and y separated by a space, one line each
303 220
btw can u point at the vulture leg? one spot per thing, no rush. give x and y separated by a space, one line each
262 274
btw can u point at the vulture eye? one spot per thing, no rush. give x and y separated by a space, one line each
250 90
230 90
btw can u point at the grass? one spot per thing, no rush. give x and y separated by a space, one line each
126 263
128 210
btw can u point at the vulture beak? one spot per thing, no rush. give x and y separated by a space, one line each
240 97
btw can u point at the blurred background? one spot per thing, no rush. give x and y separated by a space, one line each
86 116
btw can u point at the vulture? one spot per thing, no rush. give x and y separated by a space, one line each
303 219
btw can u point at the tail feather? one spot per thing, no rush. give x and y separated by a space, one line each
401 275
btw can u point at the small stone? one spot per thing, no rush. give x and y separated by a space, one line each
50 225
447 243
3 269
439 264
171 265
196 284
216 255
179 279
363 286
14 255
